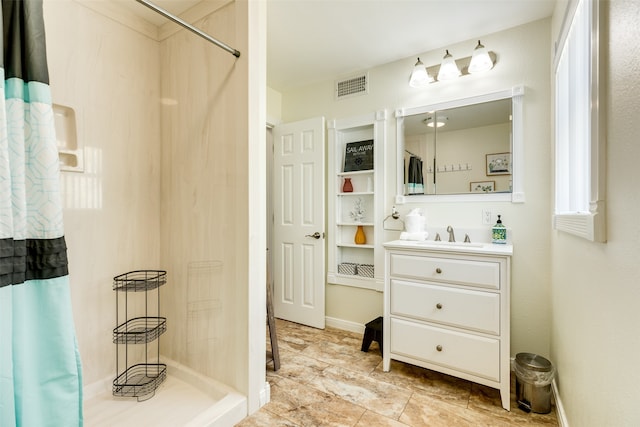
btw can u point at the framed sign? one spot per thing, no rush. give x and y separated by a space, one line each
482 186
358 156
499 164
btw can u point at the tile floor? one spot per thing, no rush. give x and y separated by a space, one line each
325 380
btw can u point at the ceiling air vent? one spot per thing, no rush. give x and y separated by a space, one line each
352 86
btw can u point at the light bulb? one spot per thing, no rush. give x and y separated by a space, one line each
419 76
448 69
480 60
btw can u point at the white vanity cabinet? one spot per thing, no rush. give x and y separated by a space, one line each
446 308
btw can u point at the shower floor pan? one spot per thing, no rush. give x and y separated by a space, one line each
185 398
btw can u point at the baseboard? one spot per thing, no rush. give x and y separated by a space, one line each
344 325
265 394
561 414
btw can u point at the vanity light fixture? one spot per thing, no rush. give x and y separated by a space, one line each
448 69
480 61
420 77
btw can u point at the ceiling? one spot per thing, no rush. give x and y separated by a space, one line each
175 7
309 41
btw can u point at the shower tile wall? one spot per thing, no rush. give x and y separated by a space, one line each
162 116
108 73
204 200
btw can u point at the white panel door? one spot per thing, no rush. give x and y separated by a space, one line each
298 229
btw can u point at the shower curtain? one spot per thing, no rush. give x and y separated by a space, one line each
415 183
40 373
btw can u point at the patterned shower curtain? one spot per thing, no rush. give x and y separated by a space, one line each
40 372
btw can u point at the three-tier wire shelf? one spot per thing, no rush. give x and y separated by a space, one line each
139 379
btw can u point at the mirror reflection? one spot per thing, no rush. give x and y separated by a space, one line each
459 150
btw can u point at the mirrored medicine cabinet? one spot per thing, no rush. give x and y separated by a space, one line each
467 149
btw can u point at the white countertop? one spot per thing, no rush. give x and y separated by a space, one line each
477 247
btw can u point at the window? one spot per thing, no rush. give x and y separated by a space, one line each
579 136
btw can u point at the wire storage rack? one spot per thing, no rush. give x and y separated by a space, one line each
138 380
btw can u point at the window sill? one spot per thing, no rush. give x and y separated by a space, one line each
589 226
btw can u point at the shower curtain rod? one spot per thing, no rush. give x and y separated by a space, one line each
190 27
414 155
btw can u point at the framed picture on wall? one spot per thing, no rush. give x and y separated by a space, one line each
358 156
499 164
482 186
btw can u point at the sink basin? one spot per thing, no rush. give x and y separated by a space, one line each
486 248
454 244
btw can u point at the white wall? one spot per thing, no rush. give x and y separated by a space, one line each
594 287
108 74
523 58
454 149
274 106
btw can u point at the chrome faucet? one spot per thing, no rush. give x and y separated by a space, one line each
452 238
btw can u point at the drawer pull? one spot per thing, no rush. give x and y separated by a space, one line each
439 347
438 270
438 306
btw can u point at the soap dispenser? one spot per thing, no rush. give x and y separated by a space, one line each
499 232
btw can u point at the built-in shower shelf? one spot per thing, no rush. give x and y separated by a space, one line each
70 149
138 323
140 330
140 380
139 280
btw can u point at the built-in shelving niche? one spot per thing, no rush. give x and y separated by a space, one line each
70 150
349 263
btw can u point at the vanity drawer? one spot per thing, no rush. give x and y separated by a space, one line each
476 310
484 274
469 353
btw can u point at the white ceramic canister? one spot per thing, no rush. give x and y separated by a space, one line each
414 221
